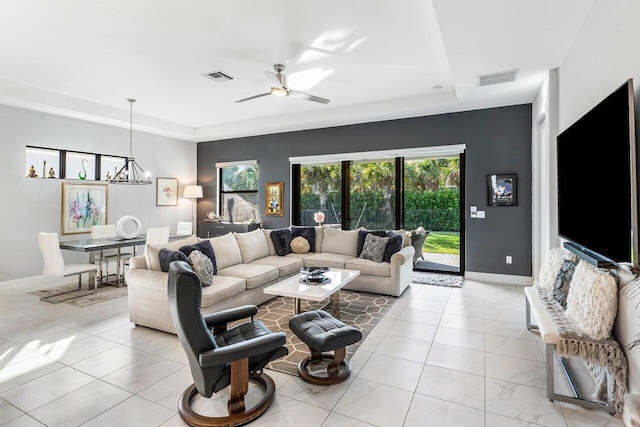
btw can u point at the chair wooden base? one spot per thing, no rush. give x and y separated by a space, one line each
238 414
338 369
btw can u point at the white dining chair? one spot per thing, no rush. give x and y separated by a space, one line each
156 236
106 256
184 228
54 264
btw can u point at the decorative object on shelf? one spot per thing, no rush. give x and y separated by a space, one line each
131 172
254 216
133 233
193 192
314 275
275 197
318 217
52 173
212 217
83 205
44 168
502 190
108 177
167 192
83 173
231 203
32 172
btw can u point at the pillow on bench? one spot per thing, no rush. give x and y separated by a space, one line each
551 267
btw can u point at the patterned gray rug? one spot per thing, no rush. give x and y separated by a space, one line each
81 298
448 280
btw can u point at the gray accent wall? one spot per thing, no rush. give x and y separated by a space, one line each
498 141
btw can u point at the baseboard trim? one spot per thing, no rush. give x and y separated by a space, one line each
507 279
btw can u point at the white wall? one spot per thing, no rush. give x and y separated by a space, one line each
604 56
30 205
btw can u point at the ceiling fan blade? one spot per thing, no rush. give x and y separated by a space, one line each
273 79
254 97
308 97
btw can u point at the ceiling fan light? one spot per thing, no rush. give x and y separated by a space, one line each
278 91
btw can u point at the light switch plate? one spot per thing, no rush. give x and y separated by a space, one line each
474 209
480 214
474 214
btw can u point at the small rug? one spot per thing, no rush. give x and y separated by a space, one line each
358 309
81 298
448 280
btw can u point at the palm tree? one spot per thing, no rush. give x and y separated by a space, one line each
321 180
377 176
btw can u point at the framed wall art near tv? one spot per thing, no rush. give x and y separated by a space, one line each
503 190
83 205
167 192
275 198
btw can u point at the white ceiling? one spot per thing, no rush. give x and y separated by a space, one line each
374 59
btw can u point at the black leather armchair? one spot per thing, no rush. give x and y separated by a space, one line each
220 356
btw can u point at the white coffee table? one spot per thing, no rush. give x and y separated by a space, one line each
293 288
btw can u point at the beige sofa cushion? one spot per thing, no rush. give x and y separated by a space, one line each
344 242
253 245
326 259
286 265
152 254
222 288
267 236
255 275
227 251
372 268
319 238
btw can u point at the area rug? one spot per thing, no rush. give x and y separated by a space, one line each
361 310
81 298
448 280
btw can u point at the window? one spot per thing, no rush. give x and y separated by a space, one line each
321 191
238 191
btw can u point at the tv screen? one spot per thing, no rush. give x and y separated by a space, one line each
596 175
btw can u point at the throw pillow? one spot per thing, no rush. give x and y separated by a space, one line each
202 266
204 247
300 245
395 244
343 242
551 267
167 256
374 247
592 303
282 241
563 282
362 234
308 233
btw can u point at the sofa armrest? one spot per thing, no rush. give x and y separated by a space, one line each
139 262
403 255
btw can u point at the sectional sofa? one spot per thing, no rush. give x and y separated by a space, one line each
248 262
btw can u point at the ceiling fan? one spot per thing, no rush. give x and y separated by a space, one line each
279 87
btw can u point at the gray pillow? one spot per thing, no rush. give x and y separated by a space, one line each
282 238
563 282
167 256
374 247
395 244
202 266
204 247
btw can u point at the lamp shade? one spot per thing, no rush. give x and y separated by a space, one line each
193 191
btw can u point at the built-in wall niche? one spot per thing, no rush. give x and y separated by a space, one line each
42 163
110 166
80 166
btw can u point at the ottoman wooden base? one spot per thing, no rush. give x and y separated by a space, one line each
337 370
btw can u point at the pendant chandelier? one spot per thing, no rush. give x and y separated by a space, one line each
131 172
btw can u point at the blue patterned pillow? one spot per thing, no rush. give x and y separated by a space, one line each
167 256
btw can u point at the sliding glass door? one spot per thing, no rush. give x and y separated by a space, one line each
372 194
320 191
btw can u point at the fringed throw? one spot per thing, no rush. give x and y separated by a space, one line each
598 354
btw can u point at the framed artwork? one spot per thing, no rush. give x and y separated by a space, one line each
167 192
275 197
503 190
83 205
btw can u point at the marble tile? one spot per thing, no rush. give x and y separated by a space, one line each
93 322
43 390
23 421
371 342
11 353
316 395
31 332
428 304
510 329
453 386
404 348
133 412
457 358
374 403
420 316
110 360
523 349
390 371
175 421
337 420
8 412
522 402
173 352
474 324
495 420
81 405
142 373
578 416
71 351
28 370
441 413
167 391
467 310
416 331
515 370
460 338
287 412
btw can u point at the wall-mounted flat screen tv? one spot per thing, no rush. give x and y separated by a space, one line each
597 179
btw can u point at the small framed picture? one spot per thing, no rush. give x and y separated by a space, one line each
167 192
503 190
83 205
275 197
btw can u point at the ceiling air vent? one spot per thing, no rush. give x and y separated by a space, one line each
219 76
499 77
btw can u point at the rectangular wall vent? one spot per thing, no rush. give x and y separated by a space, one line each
499 77
219 76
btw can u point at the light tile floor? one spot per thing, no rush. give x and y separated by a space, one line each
440 357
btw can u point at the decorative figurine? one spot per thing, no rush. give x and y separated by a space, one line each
108 178
32 172
52 173
44 168
83 173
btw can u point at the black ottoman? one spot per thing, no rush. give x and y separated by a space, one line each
323 332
